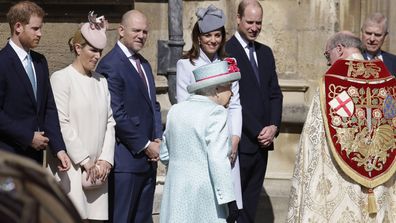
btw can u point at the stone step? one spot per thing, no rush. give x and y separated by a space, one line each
272 206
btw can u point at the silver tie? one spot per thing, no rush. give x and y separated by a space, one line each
30 73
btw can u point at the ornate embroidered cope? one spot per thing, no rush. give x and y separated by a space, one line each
359 111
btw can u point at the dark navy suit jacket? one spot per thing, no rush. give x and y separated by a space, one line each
137 116
20 114
261 103
389 60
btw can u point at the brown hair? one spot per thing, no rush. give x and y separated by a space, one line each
22 12
77 39
193 53
243 4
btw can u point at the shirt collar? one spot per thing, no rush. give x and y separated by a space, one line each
18 50
241 40
370 57
128 53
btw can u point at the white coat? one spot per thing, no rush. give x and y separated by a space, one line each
87 127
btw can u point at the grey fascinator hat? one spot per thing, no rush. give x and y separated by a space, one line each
210 18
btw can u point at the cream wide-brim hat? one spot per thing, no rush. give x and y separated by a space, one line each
97 38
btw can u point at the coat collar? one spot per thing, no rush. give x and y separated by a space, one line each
205 58
201 98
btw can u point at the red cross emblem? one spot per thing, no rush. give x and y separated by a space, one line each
342 105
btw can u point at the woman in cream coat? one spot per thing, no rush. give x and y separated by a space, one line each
208 40
86 121
196 144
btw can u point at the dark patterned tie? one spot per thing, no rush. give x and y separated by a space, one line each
253 61
135 57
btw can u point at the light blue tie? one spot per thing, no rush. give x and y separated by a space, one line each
30 73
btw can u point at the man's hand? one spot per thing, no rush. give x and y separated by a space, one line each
152 151
64 161
266 136
39 141
234 149
104 168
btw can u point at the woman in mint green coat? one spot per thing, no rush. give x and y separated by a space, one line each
198 186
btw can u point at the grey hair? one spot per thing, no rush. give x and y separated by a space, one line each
345 39
211 90
377 18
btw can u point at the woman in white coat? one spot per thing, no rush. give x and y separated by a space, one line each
208 40
196 145
86 120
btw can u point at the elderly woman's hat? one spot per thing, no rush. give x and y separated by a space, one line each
94 31
210 19
215 74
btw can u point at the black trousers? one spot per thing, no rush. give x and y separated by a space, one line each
252 167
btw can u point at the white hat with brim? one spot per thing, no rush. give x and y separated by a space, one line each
211 75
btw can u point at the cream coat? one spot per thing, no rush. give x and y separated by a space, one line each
87 127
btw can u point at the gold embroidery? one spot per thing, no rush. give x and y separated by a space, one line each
373 151
366 137
364 69
335 90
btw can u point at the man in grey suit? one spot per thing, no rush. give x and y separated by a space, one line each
374 32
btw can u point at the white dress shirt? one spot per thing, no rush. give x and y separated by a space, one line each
22 55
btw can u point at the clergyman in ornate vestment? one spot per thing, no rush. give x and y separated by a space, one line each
345 164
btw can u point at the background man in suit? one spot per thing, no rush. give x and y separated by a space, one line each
28 116
261 100
374 32
138 122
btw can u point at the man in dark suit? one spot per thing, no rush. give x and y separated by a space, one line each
138 122
374 32
28 116
261 100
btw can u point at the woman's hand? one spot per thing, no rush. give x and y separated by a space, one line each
104 168
91 170
234 149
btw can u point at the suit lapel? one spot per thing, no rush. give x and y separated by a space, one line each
20 72
243 61
150 79
387 62
135 76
